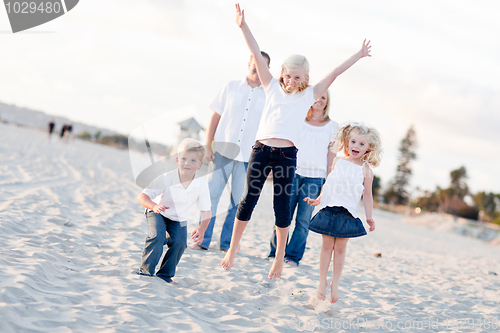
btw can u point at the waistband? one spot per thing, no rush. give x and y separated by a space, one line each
269 148
182 223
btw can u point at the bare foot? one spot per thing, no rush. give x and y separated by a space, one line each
321 293
228 260
276 269
334 295
196 246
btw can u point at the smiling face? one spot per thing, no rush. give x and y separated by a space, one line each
358 145
293 78
188 163
321 103
319 111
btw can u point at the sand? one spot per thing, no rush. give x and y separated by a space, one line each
72 232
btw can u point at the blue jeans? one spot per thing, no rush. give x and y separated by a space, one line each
302 187
263 159
221 168
163 231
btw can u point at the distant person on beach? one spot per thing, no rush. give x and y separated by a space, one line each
69 132
235 119
51 126
63 131
287 102
167 201
351 178
314 162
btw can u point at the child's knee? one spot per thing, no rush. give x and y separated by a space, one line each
283 222
327 243
179 243
340 248
283 218
157 239
328 247
245 210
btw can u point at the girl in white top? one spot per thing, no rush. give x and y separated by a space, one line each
287 102
337 221
314 161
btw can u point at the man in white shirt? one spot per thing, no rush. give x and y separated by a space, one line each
237 109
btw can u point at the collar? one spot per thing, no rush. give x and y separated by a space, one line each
175 181
244 82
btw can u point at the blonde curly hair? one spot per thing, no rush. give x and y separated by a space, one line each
373 155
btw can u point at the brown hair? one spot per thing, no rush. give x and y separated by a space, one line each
265 55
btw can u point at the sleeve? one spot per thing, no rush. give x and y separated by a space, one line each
203 203
271 85
156 187
219 102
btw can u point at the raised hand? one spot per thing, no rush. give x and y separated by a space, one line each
240 16
365 49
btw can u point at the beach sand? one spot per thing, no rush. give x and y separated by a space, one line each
72 233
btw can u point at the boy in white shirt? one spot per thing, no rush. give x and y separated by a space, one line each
167 201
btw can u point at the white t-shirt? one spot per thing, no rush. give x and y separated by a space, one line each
344 187
240 107
284 113
312 157
167 190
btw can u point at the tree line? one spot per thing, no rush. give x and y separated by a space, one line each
482 206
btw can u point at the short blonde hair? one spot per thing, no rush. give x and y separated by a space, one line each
373 155
296 61
326 110
192 146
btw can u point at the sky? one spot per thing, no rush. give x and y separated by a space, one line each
122 64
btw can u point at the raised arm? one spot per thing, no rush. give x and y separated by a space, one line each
367 196
325 83
265 75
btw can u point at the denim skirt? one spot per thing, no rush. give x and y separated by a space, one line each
337 222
